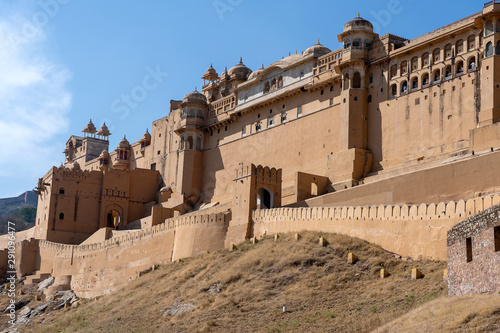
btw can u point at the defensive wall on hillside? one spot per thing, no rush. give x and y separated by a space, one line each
98 268
418 231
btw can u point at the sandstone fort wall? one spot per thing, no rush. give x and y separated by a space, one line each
418 231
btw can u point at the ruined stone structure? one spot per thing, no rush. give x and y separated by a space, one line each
474 254
387 139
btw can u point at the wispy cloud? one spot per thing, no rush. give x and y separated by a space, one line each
34 104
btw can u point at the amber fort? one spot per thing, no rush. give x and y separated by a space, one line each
391 140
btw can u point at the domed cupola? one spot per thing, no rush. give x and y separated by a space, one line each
194 97
318 50
358 23
224 76
256 73
104 160
145 141
240 71
90 129
122 154
210 74
103 132
358 34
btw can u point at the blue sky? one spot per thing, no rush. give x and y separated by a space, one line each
63 62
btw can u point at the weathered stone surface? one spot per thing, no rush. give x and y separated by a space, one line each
45 284
177 308
473 256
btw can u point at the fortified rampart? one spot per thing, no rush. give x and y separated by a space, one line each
98 268
418 231
474 254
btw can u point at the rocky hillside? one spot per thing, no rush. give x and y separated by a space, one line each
285 285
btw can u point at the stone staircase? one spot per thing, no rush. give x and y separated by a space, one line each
36 277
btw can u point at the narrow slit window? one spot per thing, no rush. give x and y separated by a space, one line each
468 245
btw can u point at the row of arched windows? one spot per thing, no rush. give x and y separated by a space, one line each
188 143
357 44
273 85
191 113
488 51
436 56
425 79
356 81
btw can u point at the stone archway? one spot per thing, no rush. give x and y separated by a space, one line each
113 219
265 199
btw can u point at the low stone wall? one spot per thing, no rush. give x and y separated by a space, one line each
418 231
474 254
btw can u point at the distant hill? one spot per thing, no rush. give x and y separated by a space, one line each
21 210
9 206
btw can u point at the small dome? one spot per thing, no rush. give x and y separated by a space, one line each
124 144
90 128
146 136
195 97
358 23
318 50
224 76
210 73
104 131
256 73
104 154
240 71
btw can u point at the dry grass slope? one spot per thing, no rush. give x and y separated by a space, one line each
245 291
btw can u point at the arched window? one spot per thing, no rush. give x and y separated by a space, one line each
436 55
447 72
460 67
488 52
192 113
356 43
394 90
257 126
394 71
61 190
489 28
437 75
414 64
368 44
404 67
190 142
61 216
404 87
414 83
200 114
184 112
356 80
273 84
425 79
425 59
471 64
182 143
198 143
347 43
280 82
471 42
369 98
346 81
459 46
497 49
266 87
447 51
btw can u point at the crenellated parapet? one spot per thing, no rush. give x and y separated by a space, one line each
410 230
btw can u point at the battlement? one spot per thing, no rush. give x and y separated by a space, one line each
258 171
